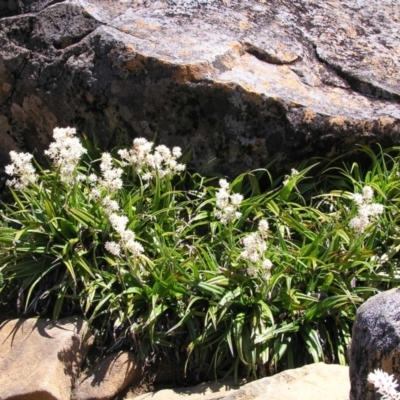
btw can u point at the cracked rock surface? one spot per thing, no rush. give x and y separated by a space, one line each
237 81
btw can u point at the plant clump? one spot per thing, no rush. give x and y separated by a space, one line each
162 261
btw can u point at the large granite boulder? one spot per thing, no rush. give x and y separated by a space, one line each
41 359
237 81
375 343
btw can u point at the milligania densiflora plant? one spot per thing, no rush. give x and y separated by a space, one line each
162 261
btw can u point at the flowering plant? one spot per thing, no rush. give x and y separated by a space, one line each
160 260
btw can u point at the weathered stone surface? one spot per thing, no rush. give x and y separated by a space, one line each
375 342
238 81
108 378
311 382
40 359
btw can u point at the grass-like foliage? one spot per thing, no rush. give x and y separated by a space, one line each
167 262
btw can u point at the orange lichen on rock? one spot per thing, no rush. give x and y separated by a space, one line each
340 121
188 73
129 48
308 116
386 121
184 53
245 25
147 25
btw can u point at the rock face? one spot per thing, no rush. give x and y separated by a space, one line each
311 382
375 342
237 81
40 359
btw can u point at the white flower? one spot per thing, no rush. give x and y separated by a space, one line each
359 224
385 384
93 178
118 222
135 248
111 177
147 176
254 257
293 172
95 194
10 169
366 210
127 236
223 183
227 205
267 277
114 248
66 153
222 197
176 151
110 205
358 198
375 209
12 182
161 162
368 193
163 152
263 227
254 248
236 199
266 264
22 168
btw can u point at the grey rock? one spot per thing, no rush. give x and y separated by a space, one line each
375 343
238 82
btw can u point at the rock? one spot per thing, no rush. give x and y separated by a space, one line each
108 378
237 81
375 342
40 359
311 382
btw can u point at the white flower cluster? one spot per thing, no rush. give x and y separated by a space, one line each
127 238
293 173
110 206
385 384
162 161
227 204
66 152
111 177
102 190
366 210
255 246
21 167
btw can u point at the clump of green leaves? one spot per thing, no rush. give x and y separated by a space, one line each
161 260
